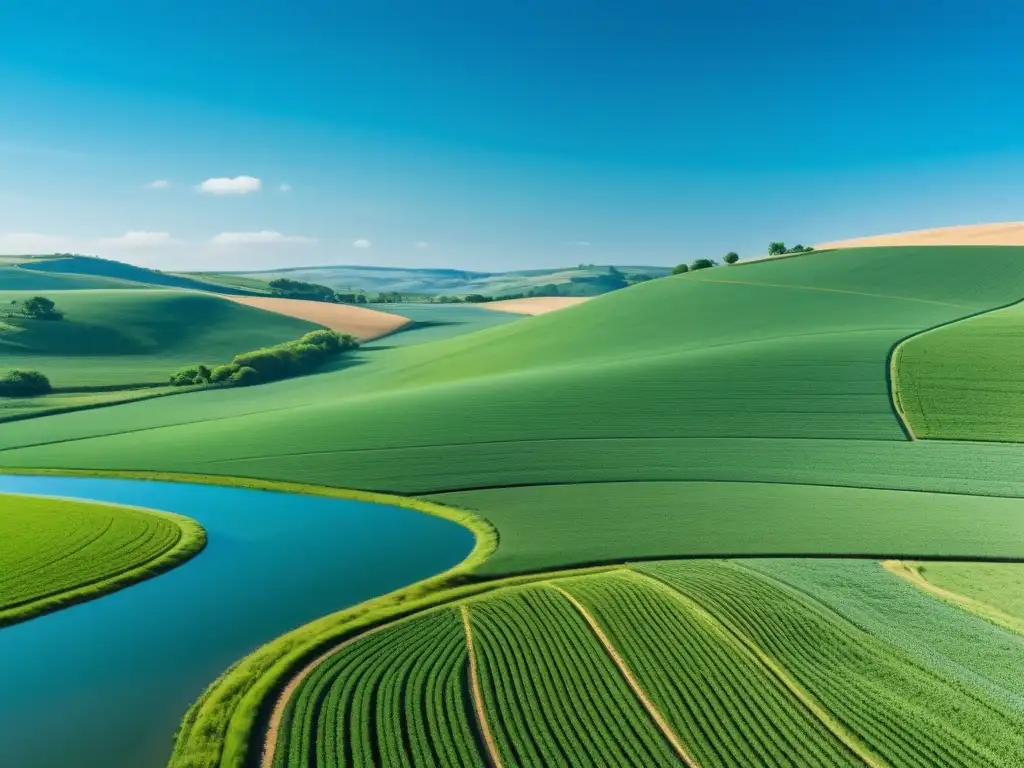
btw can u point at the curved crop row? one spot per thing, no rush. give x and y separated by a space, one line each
725 705
55 551
905 713
395 697
552 695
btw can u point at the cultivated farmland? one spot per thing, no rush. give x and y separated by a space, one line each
55 552
962 381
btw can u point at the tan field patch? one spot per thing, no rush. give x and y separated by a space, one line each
538 305
1006 233
364 324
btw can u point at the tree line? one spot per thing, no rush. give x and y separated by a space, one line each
282 361
774 249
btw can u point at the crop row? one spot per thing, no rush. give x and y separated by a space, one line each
49 546
902 712
551 693
727 707
393 698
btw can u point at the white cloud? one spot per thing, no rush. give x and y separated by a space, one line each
582 243
239 185
158 184
263 237
422 244
285 188
16 243
361 243
137 240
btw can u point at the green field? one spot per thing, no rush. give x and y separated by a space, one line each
55 552
15 277
963 380
433 322
1000 585
133 337
772 372
740 669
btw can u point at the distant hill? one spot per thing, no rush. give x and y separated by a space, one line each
582 280
95 267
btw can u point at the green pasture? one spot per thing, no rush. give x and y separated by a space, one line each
122 338
433 322
1000 585
963 381
95 268
774 372
56 552
14 276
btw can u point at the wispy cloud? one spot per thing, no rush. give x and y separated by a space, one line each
285 187
263 237
581 243
239 185
158 184
422 244
137 240
361 243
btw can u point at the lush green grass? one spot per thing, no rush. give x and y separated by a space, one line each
982 659
1000 585
769 372
56 552
964 380
122 338
91 267
15 277
727 707
902 713
393 698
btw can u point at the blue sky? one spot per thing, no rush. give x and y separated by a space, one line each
500 134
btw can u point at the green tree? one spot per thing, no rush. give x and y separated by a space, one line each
731 257
702 264
41 308
24 384
681 269
245 376
776 249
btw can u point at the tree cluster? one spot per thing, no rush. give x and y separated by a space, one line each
24 384
780 249
298 289
38 308
283 361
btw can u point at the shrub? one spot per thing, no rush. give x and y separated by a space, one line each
222 373
187 377
731 257
776 249
245 376
702 264
681 269
24 384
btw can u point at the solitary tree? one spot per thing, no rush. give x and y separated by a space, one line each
702 264
731 257
680 269
41 308
776 249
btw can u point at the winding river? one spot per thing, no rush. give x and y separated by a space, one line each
104 684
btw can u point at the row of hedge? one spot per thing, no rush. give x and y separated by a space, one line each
292 358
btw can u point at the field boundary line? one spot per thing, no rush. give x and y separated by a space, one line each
911 572
281 703
627 674
831 290
847 737
478 698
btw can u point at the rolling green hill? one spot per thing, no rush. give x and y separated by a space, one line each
774 372
93 267
963 381
14 276
119 338
583 280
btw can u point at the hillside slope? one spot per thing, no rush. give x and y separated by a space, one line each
85 267
124 337
774 372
